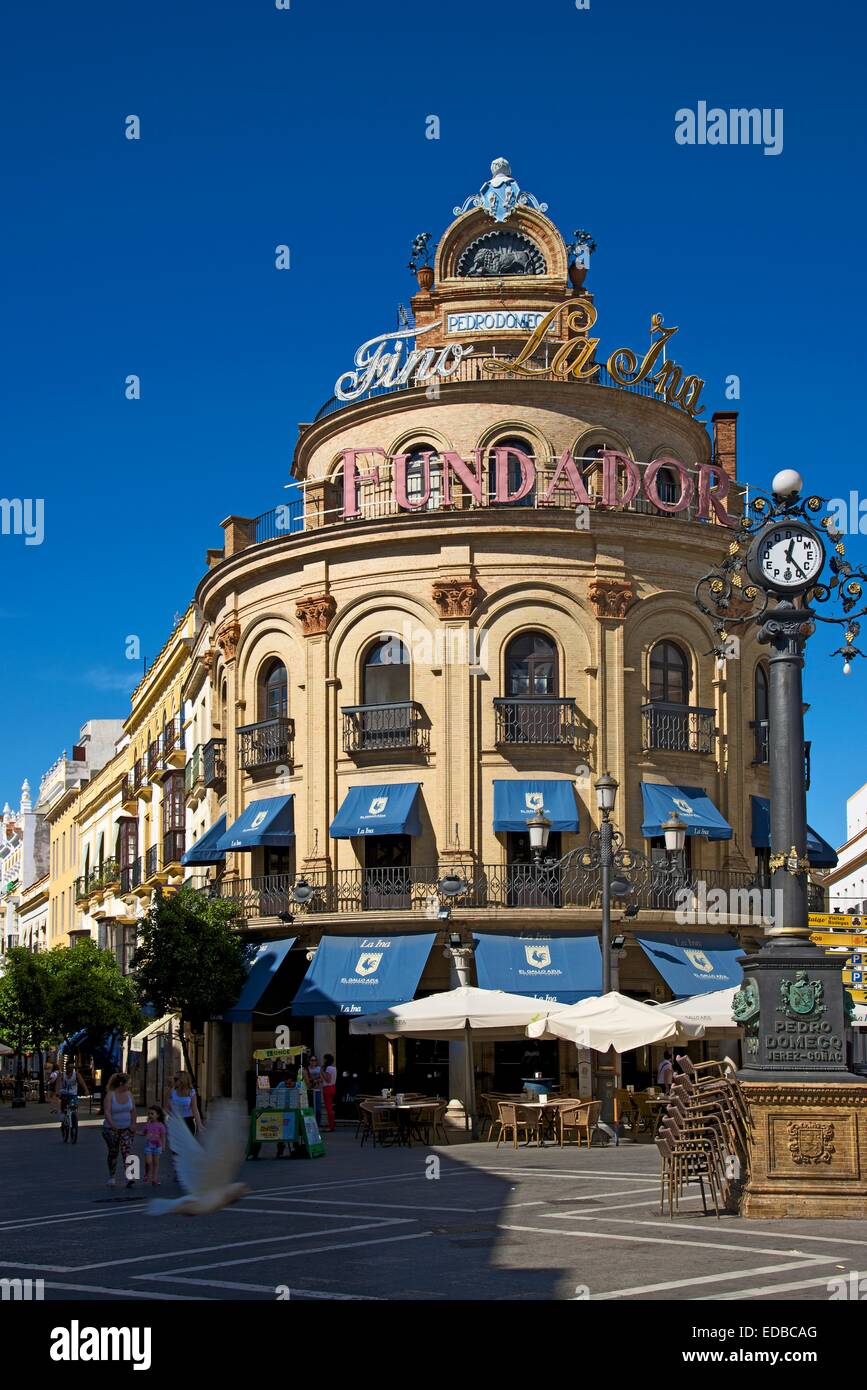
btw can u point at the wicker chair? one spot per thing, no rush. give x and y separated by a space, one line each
582 1120
380 1124
510 1121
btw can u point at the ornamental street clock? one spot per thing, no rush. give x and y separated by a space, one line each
787 557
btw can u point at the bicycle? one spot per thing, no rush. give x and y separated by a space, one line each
69 1121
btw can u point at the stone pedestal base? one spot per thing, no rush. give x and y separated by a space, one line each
808 1152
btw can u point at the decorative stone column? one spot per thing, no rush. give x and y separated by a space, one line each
456 600
315 612
226 640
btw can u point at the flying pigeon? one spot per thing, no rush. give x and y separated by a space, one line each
205 1170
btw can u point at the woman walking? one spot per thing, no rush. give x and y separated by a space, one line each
184 1104
118 1124
329 1086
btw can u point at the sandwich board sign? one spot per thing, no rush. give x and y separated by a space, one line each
310 1138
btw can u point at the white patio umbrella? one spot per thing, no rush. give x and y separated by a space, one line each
6 1051
613 1020
711 1011
460 1014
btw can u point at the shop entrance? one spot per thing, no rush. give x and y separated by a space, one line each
516 1061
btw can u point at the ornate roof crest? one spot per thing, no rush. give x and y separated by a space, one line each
500 195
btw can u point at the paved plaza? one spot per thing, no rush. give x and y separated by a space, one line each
371 1224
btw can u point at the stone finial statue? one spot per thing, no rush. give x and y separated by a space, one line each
501 194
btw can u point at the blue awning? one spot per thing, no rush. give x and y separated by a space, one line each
382 809
204 850
567 968
517 801
362 974
692 804
264 966
270 821
820 854
694 962
105 1053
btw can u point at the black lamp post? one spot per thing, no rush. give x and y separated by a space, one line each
792 1003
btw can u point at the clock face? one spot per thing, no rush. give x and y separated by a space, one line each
790 557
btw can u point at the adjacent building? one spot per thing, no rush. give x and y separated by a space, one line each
848 881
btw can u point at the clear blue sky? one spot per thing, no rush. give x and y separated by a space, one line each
307 127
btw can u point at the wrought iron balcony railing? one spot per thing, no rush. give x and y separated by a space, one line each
678 728
496 886
761 747
128 790
130 876
214 762
761 744
266 744
549 721
96 880
152 862
376 728
173 749
194 771
139 776
154 758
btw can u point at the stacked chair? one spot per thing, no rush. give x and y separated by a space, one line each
703 1134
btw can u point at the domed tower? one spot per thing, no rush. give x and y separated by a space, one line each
481 600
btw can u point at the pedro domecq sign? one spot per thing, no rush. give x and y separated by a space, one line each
381 363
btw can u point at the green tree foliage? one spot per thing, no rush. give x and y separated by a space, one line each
190 958
89 992
50 995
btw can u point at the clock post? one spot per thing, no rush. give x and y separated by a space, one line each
808 1145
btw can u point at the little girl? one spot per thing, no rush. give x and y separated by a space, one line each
155 1142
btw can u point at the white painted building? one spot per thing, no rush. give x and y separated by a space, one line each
848 882
23 861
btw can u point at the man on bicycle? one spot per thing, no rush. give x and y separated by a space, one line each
71 1083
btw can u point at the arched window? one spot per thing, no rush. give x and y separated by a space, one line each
760 723
415 477
385 674
531 666
667 486
224 708
514 472
669 675
274 692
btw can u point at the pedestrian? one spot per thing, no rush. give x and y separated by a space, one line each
329 1087
154 1130
183 1102
313 1077
118 1124
664 1072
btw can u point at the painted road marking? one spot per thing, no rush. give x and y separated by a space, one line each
770 1289
584 1234
292 1254
637 1289
229 1245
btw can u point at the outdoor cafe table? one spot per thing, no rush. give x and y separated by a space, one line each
404 1118
548 1108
